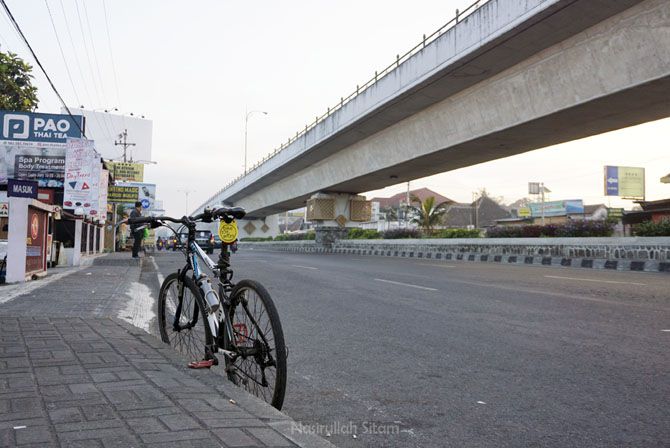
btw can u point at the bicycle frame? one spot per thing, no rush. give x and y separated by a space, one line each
220 270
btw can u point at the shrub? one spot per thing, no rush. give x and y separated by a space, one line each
455 233
296 236
395 234
362 234
569 229
255 239
650 228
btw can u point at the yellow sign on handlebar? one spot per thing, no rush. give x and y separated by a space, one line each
228 231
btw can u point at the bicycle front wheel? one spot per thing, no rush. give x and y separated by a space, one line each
257 330
181 318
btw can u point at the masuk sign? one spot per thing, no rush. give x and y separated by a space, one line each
17 188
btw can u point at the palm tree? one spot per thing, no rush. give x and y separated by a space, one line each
428 214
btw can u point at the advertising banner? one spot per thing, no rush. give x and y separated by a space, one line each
624 181
4 205
81 178
33 146
557 208
122 171
120 194
102 201
35 240
146 194
36 127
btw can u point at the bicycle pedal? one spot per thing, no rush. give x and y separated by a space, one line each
204 364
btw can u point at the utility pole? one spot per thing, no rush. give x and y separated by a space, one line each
124 143
542 195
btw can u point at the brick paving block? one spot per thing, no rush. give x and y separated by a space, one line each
178 422
33 434
238 423
66 438
146 425
83 388
7 437
66 415
148 412
234 437
97 412
199 443
120 441
175 436
103 377
269 437
89 425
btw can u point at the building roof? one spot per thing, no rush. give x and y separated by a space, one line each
486 213
421 193
654 205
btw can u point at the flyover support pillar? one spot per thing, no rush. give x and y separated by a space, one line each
334 214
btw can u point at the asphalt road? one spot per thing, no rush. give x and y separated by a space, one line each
414 353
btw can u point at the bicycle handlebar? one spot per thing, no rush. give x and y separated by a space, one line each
225 213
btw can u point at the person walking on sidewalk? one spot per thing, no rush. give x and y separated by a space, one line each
137 230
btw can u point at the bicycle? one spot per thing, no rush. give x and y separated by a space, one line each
240 321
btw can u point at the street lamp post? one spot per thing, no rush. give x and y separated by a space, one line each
186 193
246 127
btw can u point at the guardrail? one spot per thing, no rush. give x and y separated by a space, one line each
360 89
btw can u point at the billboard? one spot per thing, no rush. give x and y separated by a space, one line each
119 194
33 146
105 127
624 181
127 171
557 208
146 194
82 177
34 127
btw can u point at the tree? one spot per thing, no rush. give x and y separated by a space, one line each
428 214
16 89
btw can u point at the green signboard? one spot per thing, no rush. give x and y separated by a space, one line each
122 194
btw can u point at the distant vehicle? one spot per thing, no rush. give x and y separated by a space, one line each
205 240
217 242
179 241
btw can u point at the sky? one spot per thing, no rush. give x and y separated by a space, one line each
194 68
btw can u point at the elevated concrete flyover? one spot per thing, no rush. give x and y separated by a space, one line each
511 77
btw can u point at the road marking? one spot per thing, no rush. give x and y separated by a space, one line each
438 265
161 279
20 427
405 284
595 280
304 267
666 330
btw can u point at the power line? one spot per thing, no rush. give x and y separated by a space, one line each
90 66
111 55
62 53
39 64
81 72
95 59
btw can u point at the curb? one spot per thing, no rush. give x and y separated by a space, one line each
475 257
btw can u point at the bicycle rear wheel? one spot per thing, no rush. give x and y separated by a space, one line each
256 326
190 333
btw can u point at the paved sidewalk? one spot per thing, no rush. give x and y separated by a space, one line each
72 378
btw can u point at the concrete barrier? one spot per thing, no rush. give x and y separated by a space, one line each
651 254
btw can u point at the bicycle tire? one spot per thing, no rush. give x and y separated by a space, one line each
190 342
240 372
